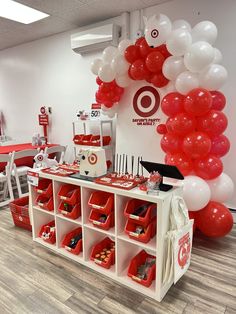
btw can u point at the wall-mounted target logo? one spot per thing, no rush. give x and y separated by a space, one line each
146 101
93 159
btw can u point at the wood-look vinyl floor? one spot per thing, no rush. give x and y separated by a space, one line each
35 280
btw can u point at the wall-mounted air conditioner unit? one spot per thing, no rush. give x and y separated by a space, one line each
96 38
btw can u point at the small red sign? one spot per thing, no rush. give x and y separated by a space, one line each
43 119
96 106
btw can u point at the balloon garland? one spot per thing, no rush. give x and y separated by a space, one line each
185 67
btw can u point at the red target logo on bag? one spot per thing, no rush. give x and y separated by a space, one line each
184 250
146 101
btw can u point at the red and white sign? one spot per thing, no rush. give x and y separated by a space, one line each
33 178
43 119
95 111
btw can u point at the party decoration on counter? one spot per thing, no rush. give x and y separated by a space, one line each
184 66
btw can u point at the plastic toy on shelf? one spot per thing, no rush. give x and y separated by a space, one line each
72 241
48 232
103 253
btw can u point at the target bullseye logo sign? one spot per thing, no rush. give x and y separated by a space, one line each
146 101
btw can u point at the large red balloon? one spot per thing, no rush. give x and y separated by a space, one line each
98 80
163 50
172 104
220 145
192 215
215 220
138 70
139 40
144 48
161 129
171 143
196 145
198 102
181 161
132 53
159 80
218 100
154 61
214 123
208 168
181 124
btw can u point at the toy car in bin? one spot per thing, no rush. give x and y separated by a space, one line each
72 242
103 253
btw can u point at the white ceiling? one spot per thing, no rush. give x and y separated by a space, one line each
64 15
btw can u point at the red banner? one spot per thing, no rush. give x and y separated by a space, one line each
43 119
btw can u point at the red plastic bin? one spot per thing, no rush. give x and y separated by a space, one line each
67 239
45 202
94 217
131 205
144 237
20 213
75 212
78 139
106 243
46 227
44 187
137 261
96 140
102 201
69 193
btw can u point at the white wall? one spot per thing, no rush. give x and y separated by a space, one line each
47 72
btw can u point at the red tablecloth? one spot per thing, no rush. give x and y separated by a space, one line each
28 161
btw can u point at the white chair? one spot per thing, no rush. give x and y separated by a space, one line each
21 171
5 180
58 150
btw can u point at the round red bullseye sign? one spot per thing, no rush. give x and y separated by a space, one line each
146 101
93 159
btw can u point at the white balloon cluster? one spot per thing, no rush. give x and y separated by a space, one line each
194 61
198 192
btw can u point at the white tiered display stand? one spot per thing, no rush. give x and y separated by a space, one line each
125 247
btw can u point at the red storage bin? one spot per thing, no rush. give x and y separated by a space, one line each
67 239
78 139
144 219
94 218
150 232
52 235
86 139
73 214
20 213
102 201
44 187
137 261
96 141
106 243
45 202
69 193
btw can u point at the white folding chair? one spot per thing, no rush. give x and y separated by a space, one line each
5 180
21 171
58 150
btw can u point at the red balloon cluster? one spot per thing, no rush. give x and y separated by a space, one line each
192 136
108 93
146 62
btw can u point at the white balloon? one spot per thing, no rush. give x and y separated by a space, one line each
125 43
179 42
95 65
213 77
199 56
181 24
206 31
172 67
119 64
218 56
109 53
123 80
186 81
222 188
106 73
196 193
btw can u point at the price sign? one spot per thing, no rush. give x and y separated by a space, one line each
95 111
33 178
43 119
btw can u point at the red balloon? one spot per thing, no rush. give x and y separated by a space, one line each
139 40
98 80
196 145
220 145
218 100
214 123
104 87
198 102
108 104
215 220
163 50
172 104
171 143
132 53
159 80
144 48
161 129
138 70
181 161
181 124
154 61
119 90
208 168
193 215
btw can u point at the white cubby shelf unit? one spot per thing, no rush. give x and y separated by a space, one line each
125 248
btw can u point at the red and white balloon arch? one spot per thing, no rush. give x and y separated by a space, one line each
182 64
